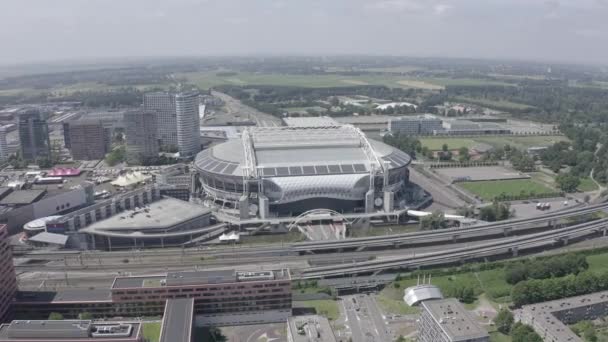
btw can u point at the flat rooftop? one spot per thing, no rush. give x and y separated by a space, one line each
68 330
310 328
199 278
454 319
163 213
65 295
315 121
553 316
177 320
22 197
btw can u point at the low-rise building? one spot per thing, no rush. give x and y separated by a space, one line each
446 320
425 124
309 328
70 330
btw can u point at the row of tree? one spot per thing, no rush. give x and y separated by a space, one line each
519 332
556 266
540 290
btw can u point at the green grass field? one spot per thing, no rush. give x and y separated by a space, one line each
521 142
151 331
327 308
436 144
210 79
587 185
488 190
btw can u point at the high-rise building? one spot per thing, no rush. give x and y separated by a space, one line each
188 124
3 144
88 139
141 135
34 135
163 105
8 279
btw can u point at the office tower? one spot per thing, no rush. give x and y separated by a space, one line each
188 124
34 135
163 105
141 135
8 279
3 143
88 139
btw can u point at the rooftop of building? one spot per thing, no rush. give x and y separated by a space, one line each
67 330
363 119
545 313
186 278
50 239
300 151
177 320
163 213
65 295
22 197
310 328
313 121
453 319
415 294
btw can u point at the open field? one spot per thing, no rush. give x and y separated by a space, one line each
327 308
436 144
521 142
482 173
151 331
488 190
493 103
210 79
587 185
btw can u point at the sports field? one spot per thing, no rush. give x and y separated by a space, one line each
488 190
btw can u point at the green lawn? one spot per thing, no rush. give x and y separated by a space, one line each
436 144
327 308
488 190
396 307
598 263
586 185
521 142
151 331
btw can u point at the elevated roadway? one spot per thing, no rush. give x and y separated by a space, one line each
496 248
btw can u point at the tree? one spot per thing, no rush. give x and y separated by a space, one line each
524 333
85 316
444 147
435 220
504 321
516 272
55 316
567 182
463 154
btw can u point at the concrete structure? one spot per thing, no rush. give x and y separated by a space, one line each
8 278
188 124
141 137
38 225
366 123
286 171
4 151
415 125
165 222
163 105
309 328
70 331
220 297
414 295
51 204
88 139
174 181
177 325
34 135
465 127
46 239
446 320
314 121
551 319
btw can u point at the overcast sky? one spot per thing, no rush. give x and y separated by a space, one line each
560 30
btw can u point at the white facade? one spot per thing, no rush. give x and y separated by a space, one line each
188 124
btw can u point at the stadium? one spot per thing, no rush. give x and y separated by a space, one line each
272 172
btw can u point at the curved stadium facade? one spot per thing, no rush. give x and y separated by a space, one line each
280 171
